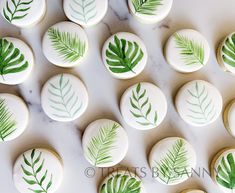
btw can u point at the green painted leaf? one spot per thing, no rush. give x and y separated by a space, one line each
121 184
192 52
146 7
83 10
122 55
142 108
228 51
201 107
174 164
69 46
63 98
7 122
100 146
16 9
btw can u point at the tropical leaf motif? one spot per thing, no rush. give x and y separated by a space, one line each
174 165
83 10
192 52
35 174
63 99
146 7
16 9
100 146
226 172
121 183
228 51
201 106
123 55
11 59
7 122
70 47
142 107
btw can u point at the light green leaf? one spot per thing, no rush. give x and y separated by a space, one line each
228 51
146 7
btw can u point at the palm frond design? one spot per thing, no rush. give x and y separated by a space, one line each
99 148
146 7
7 122
16 9
35 174
192 52
142 108
70 47
228 51
63 99
201 106
172 167
123 55
121 183
83 10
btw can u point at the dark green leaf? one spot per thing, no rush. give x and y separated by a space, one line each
146 7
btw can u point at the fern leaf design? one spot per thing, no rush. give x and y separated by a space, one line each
7 123
201 106
19 10
228 51
123 56
68 46
142 108
146 7
35 174
192 52
63 99
173 166
99 148
83 10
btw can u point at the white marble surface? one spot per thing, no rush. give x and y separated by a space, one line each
213 18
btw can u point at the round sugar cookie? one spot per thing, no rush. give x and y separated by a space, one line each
105 143
65 44
23 13
226 54
17 61
38 170
193 191
222 170
229 118
85 13
143 106
172 160
199 103
124 55
187 51
64 98
14 117
150 12
124 181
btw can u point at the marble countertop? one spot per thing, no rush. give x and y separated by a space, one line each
213 18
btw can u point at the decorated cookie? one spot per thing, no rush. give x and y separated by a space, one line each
226 54
187 51
38 170
124 55
16 61
64 98
105 143
193 191
65 44
120 182
229 118
172 160
199 103
223 170
23 13
150 11
14 116
85 12
143 106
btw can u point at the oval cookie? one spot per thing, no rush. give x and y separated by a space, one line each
199 103
193 191
229 118
124 55
143 106
105 143
64 98
172 160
